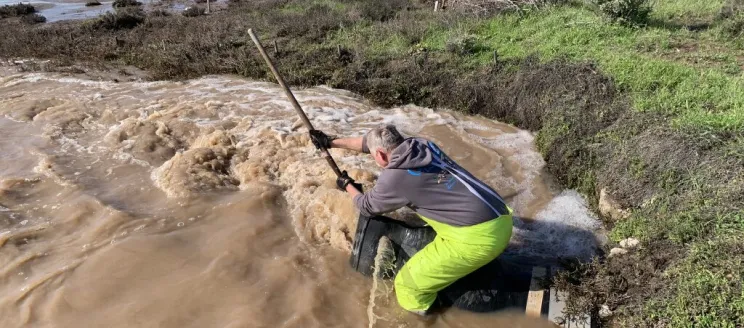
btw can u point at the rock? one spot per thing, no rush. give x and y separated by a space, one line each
610 208
629 243
618 251
604 312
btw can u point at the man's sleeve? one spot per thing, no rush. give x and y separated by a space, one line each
365 149
384 197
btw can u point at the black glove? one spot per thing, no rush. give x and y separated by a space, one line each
320 139
344 180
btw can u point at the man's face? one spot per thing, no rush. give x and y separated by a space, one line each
381 158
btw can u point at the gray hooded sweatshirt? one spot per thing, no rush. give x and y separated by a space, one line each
423 178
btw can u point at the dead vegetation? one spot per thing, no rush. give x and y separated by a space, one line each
126 3
20 9
193 11
127 18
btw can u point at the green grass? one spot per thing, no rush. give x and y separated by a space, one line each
708 291
393 44
686 11
297 8
704 97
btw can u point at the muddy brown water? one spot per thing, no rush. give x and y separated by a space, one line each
203 204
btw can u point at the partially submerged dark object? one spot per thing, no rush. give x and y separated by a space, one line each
501 284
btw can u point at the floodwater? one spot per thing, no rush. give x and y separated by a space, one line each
202 204
58 10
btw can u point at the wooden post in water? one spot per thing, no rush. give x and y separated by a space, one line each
536 293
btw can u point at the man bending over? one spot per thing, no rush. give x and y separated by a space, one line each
472 222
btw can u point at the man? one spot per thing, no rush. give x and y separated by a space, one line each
472 222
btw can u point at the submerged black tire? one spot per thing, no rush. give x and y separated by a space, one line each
405 240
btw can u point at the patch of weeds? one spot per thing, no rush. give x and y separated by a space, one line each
381 11
193 11
159 13
121 19
462 45
735 149
33 19
730 9
20 9
125 3
734 26
707 289
313 24
637 168
629 12
551 131
686 12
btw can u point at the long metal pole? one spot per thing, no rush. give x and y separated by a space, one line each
292 99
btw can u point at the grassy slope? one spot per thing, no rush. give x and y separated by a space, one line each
645 62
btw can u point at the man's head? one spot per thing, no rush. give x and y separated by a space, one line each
381 142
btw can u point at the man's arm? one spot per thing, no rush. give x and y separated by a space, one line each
384 197
352 190
356 144
321 140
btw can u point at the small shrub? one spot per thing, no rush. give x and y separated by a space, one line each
193 11
20 9
461 45
734 27
121 19
92 3
160 13
629 12
732 9
33 19
382 10
126 3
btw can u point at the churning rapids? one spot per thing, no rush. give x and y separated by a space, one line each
203 204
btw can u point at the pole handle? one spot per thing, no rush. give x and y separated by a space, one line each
292 99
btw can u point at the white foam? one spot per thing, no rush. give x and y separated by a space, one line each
565 228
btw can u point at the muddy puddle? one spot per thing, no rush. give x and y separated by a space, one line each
61 10
203 204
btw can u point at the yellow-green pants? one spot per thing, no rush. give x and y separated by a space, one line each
456 252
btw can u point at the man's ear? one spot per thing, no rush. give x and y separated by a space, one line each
382 155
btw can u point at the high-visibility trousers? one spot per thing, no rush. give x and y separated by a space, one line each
456 252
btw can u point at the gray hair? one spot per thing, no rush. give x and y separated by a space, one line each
386 137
